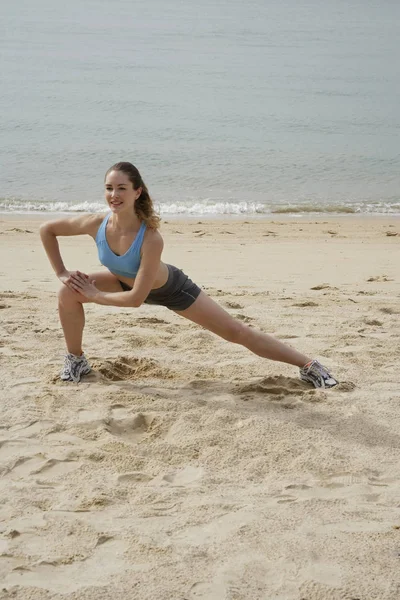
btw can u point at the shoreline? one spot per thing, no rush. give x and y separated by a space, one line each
256 218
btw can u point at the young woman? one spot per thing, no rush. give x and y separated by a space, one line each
130 246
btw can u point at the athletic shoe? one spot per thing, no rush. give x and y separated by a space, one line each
74 368
315 373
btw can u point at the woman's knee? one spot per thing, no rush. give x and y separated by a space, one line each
68 296
236 332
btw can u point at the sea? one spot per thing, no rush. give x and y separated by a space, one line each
227 107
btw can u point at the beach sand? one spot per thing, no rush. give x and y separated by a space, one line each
184 467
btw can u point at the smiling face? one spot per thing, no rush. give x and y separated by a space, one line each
119 192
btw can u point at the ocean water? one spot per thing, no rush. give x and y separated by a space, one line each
232 107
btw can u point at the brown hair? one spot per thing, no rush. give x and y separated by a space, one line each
144 207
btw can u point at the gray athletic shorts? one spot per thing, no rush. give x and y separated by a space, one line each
178 293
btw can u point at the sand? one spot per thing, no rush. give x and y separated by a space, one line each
184 467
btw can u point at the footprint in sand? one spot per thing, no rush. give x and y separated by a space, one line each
25 381
56 467
10 448
24 466
352 487
105 562
275 386
216 530
163 508
234 305
243 318
32 428
343 479
290 393
187 476
125 368
133 477
46 468
132 428
91 418
118 410
203 590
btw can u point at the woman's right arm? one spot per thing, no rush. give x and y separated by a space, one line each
49 231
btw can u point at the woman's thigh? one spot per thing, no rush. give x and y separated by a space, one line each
207 313
104 281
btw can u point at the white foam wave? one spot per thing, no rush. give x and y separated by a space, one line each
19 206
209 208
213 208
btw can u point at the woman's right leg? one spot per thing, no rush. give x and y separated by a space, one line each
72 315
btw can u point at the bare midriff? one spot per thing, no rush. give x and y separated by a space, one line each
160 280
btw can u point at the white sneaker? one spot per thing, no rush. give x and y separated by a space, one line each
74 368
315 373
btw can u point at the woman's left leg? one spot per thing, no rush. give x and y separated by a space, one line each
207 313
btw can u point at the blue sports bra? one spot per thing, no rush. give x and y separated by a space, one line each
126 265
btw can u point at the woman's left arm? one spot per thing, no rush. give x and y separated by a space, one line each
150 262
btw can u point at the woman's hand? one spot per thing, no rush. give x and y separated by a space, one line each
81 283
66 277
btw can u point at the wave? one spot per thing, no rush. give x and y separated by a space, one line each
315 209
210 208
21 206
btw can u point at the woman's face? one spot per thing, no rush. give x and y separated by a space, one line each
119 192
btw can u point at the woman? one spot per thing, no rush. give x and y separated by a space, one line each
130 246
